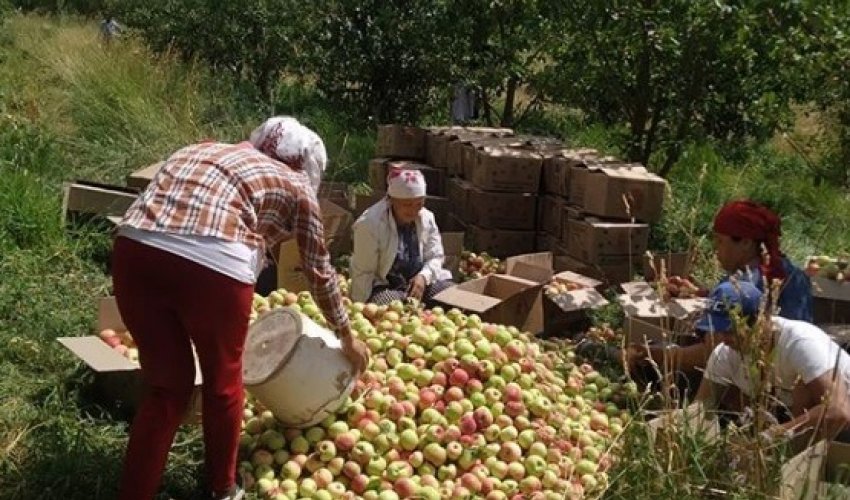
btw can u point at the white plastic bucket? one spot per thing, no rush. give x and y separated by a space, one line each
296 368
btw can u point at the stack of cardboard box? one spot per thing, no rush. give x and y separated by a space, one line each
514 194
605 217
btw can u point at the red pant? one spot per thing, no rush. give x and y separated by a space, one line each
166 301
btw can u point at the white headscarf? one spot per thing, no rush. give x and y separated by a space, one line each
285 139
405 183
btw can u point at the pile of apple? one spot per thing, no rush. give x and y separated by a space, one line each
560 286
450 407
824 266
473 265
678 287
122 342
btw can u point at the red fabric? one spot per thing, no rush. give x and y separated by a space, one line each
747 219
165 301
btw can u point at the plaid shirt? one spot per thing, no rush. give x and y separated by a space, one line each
236 193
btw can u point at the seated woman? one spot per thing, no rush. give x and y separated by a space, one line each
746 242
398 252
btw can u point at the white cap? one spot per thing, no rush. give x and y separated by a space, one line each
285 139
405 184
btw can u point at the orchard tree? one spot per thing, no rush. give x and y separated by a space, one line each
252 39
501 47
386 60
677 70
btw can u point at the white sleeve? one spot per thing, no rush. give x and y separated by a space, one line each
434 254
719 368
364 262
812 356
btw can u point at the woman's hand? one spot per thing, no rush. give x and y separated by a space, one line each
416 287
356 351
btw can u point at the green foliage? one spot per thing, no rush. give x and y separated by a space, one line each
382 61
502 48
252 39
674 71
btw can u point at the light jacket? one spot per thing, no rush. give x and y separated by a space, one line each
376 246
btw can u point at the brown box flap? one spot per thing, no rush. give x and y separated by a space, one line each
142 177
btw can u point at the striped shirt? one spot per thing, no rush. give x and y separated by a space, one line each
235 193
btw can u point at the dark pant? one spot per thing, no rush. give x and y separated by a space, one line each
169 303
383 295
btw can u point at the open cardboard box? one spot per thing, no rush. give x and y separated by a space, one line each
561 313
497 298
649 318
820 471
337 224
95 199
117 379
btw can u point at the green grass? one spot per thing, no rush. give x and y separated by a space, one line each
70 108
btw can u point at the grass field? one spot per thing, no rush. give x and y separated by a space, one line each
73 109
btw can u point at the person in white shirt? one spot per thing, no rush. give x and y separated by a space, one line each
398 251
810 373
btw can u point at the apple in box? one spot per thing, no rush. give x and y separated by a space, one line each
122 342
825 266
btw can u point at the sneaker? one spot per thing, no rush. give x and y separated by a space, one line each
236 493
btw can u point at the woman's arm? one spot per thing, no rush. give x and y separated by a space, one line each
434 255
830 415
364 262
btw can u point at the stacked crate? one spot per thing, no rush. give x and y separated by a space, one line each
405 147
606 216
496 192
518 194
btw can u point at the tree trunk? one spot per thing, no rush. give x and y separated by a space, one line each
510 97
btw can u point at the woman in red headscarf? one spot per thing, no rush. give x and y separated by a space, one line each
746 243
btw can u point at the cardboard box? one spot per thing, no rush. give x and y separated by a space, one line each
337 224
562 313
469 150
507 169
557 168
454 152
500 210
436 144
452 248
338 193
496 298
500 242
649 318
549 243
399 141
590 239
820 471
567 313
458 194
140 179
551 214
91 198
117 379
831 300
455 223
605 191
673 263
